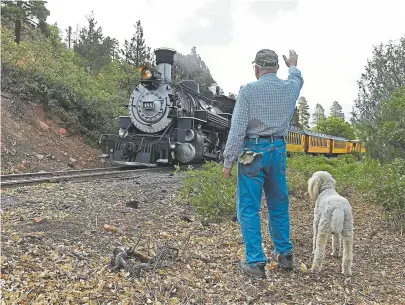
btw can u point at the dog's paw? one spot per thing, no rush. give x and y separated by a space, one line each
315 269
347 273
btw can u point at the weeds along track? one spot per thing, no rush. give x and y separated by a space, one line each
23 179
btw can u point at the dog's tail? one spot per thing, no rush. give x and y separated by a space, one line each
338 216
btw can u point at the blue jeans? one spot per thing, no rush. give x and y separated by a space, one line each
268 172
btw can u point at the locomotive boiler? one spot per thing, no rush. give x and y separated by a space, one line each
167 123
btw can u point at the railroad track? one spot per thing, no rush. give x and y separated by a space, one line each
24 179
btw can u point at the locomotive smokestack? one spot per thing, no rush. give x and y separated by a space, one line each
164 62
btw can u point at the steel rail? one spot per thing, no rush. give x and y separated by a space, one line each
56 173
85 175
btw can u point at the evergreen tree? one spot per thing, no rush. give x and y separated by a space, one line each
335 126
303 112
135 51
383 75
336 110
25 15
318 114
69 36
295 119
95 50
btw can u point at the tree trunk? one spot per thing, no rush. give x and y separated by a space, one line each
17 31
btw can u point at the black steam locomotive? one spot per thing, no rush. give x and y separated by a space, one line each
169 124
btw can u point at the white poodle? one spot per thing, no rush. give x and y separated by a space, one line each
332 216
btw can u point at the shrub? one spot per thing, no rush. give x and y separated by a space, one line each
44 70
214 196
209 192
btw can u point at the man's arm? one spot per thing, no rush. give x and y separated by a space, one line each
294 76
240 118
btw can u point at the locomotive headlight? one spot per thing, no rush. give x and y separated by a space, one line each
145 73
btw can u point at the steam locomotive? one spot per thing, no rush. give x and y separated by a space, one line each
167 123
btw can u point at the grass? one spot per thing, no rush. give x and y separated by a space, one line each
213 196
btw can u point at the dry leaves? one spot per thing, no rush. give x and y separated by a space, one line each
65 260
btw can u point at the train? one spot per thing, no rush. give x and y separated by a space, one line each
169 123
314 143
172 124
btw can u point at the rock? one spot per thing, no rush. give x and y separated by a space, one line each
43 125
49 156
37 219
62 131
187 218
132 204
110 228
39 156
21 167
72 160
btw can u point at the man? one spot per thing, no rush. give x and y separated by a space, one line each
260 123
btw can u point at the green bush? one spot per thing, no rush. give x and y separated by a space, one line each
209 192
46 71
214 196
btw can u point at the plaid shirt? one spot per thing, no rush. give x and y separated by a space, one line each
263 108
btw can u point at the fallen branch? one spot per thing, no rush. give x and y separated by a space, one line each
78 255
124 257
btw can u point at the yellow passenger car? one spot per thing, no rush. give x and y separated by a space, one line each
340 145
295 141
305 141
317 143
356 146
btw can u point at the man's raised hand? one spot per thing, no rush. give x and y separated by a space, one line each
292 59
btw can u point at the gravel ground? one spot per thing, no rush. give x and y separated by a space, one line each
56 250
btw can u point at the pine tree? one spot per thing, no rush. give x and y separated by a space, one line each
135 51
96 50
336 110
318 114
25 13
295 120
303 112
68 38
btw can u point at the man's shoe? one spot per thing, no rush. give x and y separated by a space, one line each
256 271
285 262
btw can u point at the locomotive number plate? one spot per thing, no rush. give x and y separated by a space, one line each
148 105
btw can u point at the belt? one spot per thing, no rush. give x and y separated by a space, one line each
272 138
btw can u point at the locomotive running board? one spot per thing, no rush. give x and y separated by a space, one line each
133 163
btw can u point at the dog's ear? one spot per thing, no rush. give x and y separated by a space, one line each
333 181
314 185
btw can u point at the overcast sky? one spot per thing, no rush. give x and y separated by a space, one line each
332 38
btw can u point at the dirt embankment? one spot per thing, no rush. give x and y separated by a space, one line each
33 140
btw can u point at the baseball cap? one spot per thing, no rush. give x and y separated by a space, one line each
266 58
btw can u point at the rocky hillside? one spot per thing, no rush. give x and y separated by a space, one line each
32 140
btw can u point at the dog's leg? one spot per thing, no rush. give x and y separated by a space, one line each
321 241
347 239
336 245
315 229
